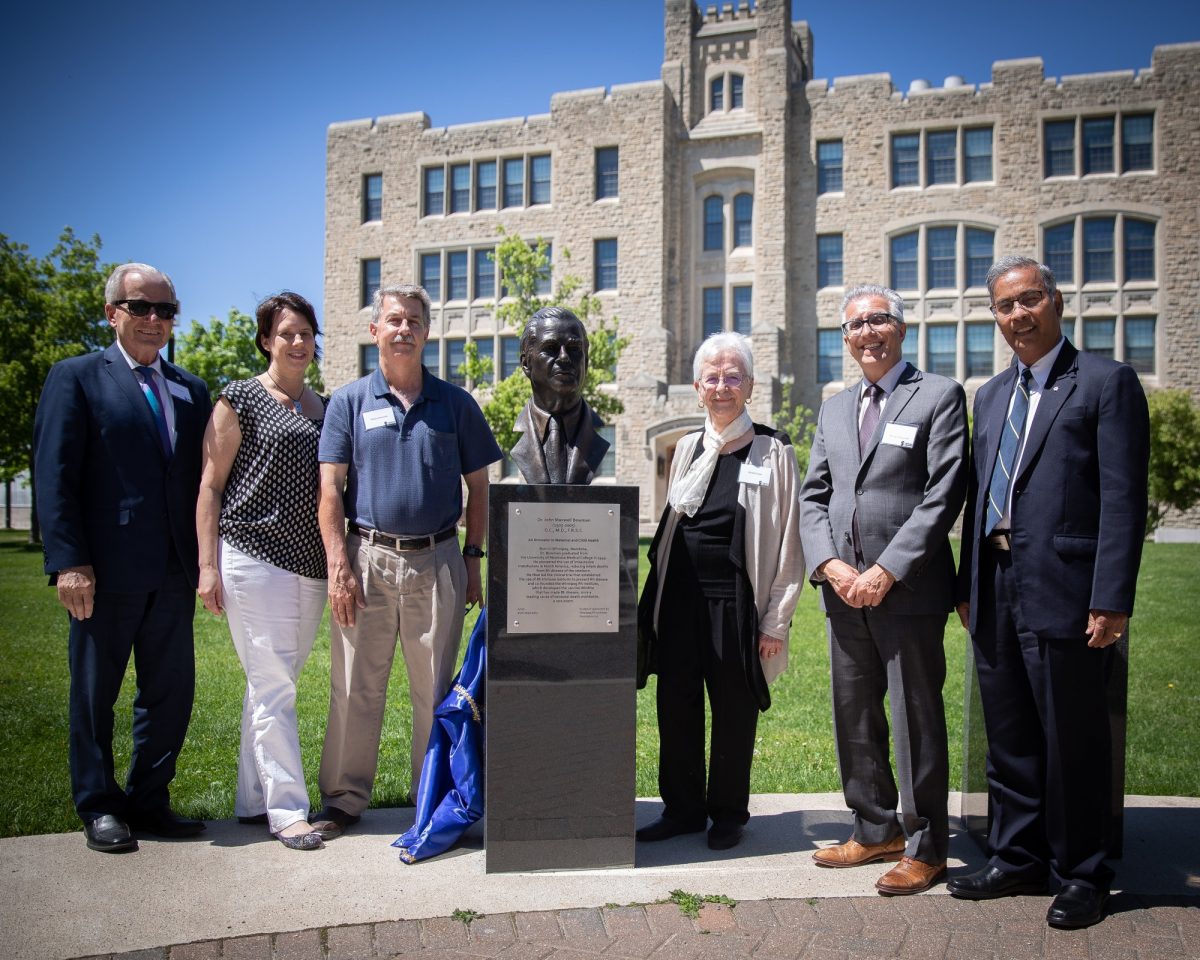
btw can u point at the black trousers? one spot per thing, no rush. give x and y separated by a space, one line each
699 650
1049 759
156 628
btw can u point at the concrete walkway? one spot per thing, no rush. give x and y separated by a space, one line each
236 893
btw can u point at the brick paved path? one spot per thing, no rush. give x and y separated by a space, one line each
916 928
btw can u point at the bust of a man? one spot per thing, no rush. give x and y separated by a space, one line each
559 442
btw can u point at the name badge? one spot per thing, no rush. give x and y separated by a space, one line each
178 390
899 435
383 417
749 473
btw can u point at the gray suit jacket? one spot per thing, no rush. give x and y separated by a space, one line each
907 497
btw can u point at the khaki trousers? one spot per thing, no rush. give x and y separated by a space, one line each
418 596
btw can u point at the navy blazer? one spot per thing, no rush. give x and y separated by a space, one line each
107 495
1079 504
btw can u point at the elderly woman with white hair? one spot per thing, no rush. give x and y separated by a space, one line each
718 602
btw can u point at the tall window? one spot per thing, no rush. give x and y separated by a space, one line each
714 223
431 356
1060 251
370 281
606 264
742 299
941 156
716 94
606 172
1098 249
514 182
539 179
1060 148
486 350
941 349
485 185
829 260
906 157
431 275
510 356
743 220
457 275
736 96
455 355
829 166
1137 141
544 283
368 359
714 310
1139 249
435 191
977 154
1098 145
829 355
1139 343
608 466
485 274
460 188
904 261
939 251
372 197
980 254
980 349
1100 337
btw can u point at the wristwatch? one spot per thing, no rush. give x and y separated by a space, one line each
471 550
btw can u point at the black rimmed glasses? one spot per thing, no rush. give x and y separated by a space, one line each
142 308
1029 300
876 321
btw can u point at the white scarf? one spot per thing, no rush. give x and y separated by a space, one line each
688 490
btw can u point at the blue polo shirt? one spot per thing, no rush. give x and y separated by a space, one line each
405 467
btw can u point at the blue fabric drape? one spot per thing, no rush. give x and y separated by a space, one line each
451 795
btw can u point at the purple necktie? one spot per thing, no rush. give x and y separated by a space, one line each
154 398
870 420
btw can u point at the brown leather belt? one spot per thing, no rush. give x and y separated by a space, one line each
402 543
1000 540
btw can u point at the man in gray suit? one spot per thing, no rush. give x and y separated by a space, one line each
886 480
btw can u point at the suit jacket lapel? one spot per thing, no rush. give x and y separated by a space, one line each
905 390
527 447
1059 385
853 399
993 425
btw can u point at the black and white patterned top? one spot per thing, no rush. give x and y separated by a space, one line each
269 509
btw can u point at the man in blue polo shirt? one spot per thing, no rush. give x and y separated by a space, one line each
393 449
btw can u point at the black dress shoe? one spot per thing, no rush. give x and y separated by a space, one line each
165 822
1077 906
724 836
664 828
331 822
992 882
109 834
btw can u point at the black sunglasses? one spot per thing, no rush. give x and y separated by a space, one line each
142 308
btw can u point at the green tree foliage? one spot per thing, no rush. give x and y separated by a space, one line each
1174 454
51 308
224 351
523 267
798 422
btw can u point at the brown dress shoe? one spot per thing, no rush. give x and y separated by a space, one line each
853 854
910 876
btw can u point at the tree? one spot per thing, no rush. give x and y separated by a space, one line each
1174 454
51 308
798 422
523 267
224 351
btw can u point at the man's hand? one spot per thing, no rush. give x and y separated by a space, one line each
474 582
345 595
841 576
769 646
210 591
1105 627
964 614
77 590
871 587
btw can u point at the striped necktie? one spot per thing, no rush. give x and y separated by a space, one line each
1006 458
154 398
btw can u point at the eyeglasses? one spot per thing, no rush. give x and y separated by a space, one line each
732 381
1029 300
142 308
876 321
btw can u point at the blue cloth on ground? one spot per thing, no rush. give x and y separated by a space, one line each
451 795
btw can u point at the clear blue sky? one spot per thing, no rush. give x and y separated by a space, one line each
192 135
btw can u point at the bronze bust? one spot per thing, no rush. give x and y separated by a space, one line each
559 442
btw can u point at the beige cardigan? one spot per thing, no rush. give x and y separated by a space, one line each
774 561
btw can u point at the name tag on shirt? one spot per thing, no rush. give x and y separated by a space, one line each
178 390
383 417
899 435
749 473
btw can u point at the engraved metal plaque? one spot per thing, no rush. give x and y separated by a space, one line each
563 567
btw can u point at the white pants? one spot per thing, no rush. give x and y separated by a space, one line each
273 619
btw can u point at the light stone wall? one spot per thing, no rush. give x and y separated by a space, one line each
673 150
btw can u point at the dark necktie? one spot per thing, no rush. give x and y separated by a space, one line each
155 399
1006 458
870 420
556 451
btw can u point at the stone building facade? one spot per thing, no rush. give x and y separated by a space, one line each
738 192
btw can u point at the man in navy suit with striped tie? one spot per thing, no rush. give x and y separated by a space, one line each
116 455
1051 543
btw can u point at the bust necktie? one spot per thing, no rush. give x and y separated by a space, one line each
556 451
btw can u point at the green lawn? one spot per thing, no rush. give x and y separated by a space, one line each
795 744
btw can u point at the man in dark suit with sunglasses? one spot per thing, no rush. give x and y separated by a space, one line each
117 441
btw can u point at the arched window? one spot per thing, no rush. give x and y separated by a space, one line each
714 223
743 220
